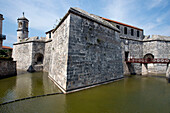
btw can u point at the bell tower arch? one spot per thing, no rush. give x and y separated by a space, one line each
22 31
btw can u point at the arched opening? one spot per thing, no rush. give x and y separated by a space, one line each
149 57
20 24
39 58
149 67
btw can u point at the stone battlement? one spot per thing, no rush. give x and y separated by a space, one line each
156 38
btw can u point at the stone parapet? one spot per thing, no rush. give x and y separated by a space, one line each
156 38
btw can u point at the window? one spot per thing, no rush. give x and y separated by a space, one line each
20 24
125 30
137 33
118 26
132 32
26 25
50 35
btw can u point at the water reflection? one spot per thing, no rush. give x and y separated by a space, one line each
26 85
131 95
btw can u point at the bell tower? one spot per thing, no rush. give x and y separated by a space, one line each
22 31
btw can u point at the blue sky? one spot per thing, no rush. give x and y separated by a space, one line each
151 15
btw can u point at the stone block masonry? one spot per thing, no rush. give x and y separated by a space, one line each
22 53
84 52
158 46
27 53
47 56
7 68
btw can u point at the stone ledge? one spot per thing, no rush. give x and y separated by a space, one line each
156 40
77 12
130 39
84 87
32 41
144 40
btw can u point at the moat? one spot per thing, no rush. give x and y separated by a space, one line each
130 95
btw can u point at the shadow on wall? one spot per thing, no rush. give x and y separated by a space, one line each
37 64
131 69
31 69
38 58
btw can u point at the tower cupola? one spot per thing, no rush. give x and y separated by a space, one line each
22 31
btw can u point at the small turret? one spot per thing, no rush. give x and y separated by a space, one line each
22 31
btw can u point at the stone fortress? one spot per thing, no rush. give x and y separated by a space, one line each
86 50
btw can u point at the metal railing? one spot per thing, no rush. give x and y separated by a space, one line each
141 60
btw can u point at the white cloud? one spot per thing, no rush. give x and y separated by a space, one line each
154 3
10 40
42 14
118 9
138 13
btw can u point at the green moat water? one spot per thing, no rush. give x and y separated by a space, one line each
131 95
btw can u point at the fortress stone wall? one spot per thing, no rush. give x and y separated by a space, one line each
86 50
59 54
22 53
94 54
27 53
158 46
84 53
132 44
47 55
7 68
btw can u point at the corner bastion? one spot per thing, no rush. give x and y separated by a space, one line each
86 51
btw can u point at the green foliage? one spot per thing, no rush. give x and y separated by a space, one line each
5 54
57 22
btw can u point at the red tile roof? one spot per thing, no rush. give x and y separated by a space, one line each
122 23
6 47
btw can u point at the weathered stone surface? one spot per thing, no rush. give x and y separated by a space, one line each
158 46
59 54
47 56
84 49
94 54
135 51
26 54
7 68
22 53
